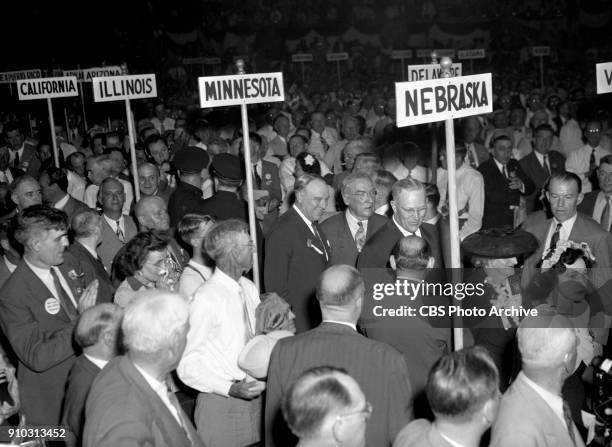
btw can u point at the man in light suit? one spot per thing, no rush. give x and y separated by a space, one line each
532 411
539 164
23 155
54 185
337 343
463 392
297 251
129 402
595 202
117 228
39 305
564 194
348 231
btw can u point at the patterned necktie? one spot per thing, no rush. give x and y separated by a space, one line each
119 233
546 165
360 236
553 241
318 235
567 415
64 298
605 216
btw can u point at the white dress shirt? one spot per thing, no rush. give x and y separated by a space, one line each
47 279
353 223
161 389
564 232
193 277
600 203
579 162
217 333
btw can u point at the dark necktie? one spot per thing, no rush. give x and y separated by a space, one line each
553 241
64 298
567 415
360 236
318 235
605 215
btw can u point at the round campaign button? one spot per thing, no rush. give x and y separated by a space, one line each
52 306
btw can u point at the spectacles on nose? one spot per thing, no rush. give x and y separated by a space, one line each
363 195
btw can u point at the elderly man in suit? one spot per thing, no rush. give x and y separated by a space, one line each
505 183
96 333
564 194
54 184
23 155
336 401
540 164
87 227
39 305
596 204
409 209
532 411
297 251
463 392
349 231
337 343
129 402
117 228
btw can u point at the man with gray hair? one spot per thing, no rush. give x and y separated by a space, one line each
130 403
96 334
409 209
222 317
297 251
532 411
349 231
378 368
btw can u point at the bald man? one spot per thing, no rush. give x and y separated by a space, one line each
337 343
96 334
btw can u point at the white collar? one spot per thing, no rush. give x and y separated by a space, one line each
304 218
351 325
60 204
96 361
404 231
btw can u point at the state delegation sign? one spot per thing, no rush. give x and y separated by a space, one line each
217 91
43 88
115 88
437 100
603 73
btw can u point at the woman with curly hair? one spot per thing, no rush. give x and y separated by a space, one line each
144 264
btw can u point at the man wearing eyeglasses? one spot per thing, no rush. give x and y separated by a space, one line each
584 161
349 231
324 392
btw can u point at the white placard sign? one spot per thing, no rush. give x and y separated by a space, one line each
540 51
216 91
301 57
445 52
401 54
42 88
14 76
87 74
478 53
431 71
603 73
333 57
441 99
115 88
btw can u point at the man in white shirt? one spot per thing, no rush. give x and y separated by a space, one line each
585 160
533 411
222 320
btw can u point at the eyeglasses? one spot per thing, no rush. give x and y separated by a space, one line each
362 195
366 412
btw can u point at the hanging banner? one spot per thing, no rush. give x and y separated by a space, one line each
441 99
232 90
42 88
115 88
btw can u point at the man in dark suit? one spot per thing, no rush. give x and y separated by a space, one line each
24 156
409 208
539 164
39 305
348 232
564 194
88 235
192 164
96 334
505 183
462 389
297 251
117 228
378 368
129 402
595 203
54 185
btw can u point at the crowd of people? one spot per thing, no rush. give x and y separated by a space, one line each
132 316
